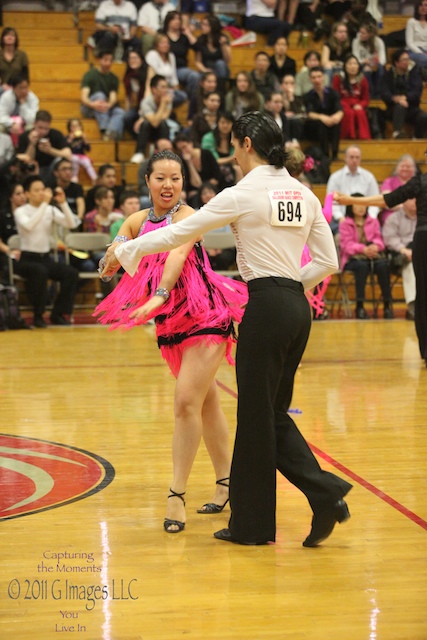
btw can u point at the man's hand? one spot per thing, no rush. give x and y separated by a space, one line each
109 262
48 195
45 146
60 195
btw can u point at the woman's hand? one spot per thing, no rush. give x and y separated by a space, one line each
341 198
151 305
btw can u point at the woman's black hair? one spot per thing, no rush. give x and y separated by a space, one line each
346 80
227 115
6 32
266 136
171 15
166 154
349 208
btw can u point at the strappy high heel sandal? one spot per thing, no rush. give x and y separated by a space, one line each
168 522
211 507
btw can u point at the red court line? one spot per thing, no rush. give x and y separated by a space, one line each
364 483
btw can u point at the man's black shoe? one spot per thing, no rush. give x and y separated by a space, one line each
323 523
60 320
39 322
224 534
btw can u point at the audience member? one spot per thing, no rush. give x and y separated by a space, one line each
398 233
401 90
220 259
218 142
207 119
353 90
116 26
324 114
280 63
34 222
302 79
199 166
207 83
416 35
104 214
137 85
352 178
154 112
336 49
370 51
18 108
129 203
107 177
63 173
13 61
79 145
274 106
43 145
404 170
16 198
151 18
357 15
163 63
264 80
181 41
213 52
261 19
362 251
99 88
294 109
243 97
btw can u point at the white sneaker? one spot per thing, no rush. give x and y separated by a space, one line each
137 158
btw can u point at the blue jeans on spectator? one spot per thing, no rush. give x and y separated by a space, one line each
111 122
179 97
129 119
189 78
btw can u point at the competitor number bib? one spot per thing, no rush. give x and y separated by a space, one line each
287 208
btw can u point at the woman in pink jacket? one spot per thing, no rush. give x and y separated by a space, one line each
362 251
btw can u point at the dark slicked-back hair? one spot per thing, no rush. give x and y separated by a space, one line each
266 136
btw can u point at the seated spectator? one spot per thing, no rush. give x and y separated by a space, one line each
398 233
264 80
79 145
207 119
154 112
98 95
336 49
218 142
15 198
416 35
213 51
18 108
353 90
302 79
7 152
274 106
181 40
260 18
62 175
207 84
199 166
294 109
287 10
129 203
324 114
243 97
351 178
163 63
116 26
401 90
137 85
102 217
34 222
220 259
404 170
144 192
151 18
357 15
280 63
188 7
370 51
107 177
13 61
43 145
362 251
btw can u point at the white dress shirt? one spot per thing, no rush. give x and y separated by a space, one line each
124 14
344 181
27 109
35 224
263 250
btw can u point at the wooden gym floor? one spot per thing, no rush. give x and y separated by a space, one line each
87 419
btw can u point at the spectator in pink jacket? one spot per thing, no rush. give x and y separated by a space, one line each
362 251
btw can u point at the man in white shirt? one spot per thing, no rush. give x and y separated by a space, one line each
115 23
272 217
151 18
18 107
351 179
34 222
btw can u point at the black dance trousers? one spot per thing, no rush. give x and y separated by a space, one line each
37 269
272 338
419 261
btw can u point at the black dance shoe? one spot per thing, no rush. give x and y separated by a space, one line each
211 507
174 523
323 523
225 535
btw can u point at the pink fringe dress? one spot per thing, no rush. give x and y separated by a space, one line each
201 308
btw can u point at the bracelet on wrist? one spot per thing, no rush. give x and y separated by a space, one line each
163 293
121 239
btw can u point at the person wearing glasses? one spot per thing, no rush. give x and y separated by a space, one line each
416 188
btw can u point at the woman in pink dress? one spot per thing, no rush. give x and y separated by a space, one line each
194 311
